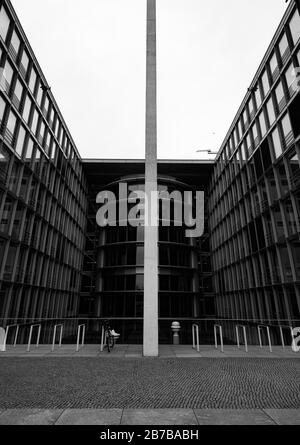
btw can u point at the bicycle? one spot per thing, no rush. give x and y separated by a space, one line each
110 336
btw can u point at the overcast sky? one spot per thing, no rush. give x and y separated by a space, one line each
93 56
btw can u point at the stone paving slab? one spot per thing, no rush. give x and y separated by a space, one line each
149 417
233 417
284 416
159 417
29 417
90 417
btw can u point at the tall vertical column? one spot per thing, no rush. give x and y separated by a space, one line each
151 227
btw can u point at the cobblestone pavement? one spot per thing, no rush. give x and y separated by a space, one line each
233 383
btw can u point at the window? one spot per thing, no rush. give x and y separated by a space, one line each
290 78
273 64
24 63
7 77
240 128
18 93
280 96
271 112
286 126
2 108
29 150
255 134
39 95
32 80
34 121
27 108
42 132
15 45
295 26
284 48
10 127
4 24
265 83
251 108
21 140
245 119
257 97
277 143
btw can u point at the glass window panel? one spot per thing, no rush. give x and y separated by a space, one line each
39 95
2 108
286 125
4 24
279 93
295 27
4 160
240 128
25 62
273 63
271 112
27 108
254 132
18 90
21 140
283 45
29 150
15 42
290 75
265 83
6 79
11 123
277 143
262 122
250 106
32 80
34 121
258 97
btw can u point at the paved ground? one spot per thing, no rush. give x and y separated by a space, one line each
136 351
134 383
149 417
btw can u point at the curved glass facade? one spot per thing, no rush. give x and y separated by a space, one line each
120 268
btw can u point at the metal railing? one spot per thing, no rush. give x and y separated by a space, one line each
216 328
281 328
81 328
61 327
259 329
196 337
237 328
16 334
39 326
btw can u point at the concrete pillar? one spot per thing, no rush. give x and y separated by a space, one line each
150 348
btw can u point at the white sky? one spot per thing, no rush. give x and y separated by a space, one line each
93 56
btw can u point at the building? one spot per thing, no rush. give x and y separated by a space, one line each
254 205
43 189
113 270
56 263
